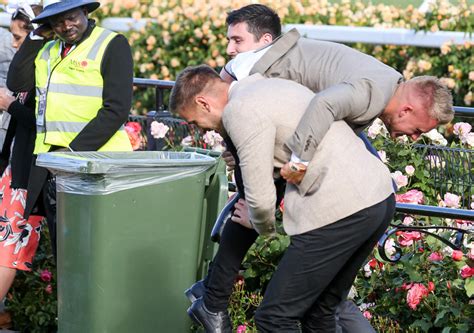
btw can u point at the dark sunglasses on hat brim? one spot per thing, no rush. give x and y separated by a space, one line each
20 12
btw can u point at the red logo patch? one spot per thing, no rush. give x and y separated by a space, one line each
84 63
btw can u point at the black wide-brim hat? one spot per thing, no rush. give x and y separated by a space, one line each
55 7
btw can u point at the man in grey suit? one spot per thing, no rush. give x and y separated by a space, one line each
334 218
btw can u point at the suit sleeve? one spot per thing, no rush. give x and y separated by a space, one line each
254 138
117 72
358 102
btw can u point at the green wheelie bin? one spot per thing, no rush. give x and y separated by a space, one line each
133 234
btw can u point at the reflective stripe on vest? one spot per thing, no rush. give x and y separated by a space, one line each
74 88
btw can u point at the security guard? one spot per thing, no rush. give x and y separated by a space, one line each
84 81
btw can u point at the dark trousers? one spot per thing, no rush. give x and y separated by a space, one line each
317 270
48 197
41 198
235 241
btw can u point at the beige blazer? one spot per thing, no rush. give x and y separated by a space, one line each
349 85
342 178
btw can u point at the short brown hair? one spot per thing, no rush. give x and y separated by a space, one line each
190 82
437 96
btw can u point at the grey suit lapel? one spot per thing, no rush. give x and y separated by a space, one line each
277 50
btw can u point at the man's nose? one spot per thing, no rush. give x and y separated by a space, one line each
231 49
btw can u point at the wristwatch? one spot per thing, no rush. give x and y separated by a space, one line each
297 167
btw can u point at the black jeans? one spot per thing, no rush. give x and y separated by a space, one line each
317 269
235 241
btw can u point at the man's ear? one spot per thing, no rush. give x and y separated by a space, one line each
406 110
267 38
202 102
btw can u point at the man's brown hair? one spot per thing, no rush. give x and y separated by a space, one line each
189 83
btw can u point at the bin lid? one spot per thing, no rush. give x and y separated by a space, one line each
120 162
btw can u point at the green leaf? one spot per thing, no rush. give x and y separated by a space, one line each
469 286
423 324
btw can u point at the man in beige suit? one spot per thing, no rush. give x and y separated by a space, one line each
334 218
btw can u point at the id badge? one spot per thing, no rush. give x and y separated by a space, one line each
41 108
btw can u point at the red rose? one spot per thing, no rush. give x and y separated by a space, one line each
431 286
467 272
46 275
457 255
435 256
49 289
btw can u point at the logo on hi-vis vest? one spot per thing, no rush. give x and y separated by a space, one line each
78 65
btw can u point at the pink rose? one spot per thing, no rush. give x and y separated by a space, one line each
467 272
49 289
457 255
158 130
461 129
435 256
416 293
46 275
400 179
451 200
241 329
408 220
412 196
407 238
367 315
410 170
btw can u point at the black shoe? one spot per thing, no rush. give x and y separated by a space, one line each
196 291
213 322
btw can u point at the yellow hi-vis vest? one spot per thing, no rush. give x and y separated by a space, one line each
72 90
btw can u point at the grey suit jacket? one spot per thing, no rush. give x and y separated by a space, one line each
349 85
342 177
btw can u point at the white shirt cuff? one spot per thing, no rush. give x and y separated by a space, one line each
296 159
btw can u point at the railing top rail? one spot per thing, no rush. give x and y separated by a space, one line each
464 111
161 84
384 36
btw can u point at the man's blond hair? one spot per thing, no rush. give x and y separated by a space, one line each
436 97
